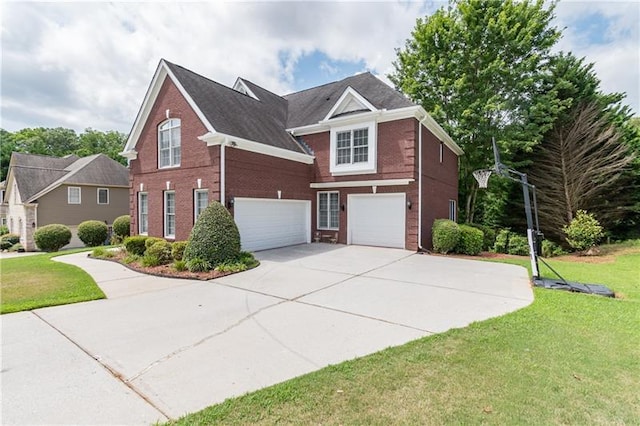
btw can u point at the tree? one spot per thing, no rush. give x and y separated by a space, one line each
477 67
7 146
578 167
56 142
110 143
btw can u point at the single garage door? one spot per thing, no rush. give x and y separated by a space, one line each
376 220
267 223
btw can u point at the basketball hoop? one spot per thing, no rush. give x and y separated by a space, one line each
482 176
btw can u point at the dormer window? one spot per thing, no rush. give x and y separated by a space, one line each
169 143
353 149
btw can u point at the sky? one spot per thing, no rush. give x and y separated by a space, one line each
89 64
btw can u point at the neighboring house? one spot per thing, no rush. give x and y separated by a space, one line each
41 190
352 160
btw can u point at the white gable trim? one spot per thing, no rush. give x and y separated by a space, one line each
349 96
241 86
215 138
149 100
382 116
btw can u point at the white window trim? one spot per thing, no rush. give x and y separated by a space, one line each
195 202
329 228
140 194
370 166
453 210
164 214
98 196
69 194
178 126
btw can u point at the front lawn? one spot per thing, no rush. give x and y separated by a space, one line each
36 281
566 359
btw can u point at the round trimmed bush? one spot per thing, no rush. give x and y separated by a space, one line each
9 240
151 241
52 237
214 238
121 225
445 235
470 241
177 250
161 250
584 231
93 233
135 245
489 236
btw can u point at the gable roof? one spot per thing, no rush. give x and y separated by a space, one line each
36 175
253 118
234 113
312 105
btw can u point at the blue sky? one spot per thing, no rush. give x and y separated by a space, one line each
89 64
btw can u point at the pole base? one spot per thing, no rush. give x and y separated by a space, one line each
597 289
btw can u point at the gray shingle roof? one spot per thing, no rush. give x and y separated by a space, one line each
34 174
234 113
312 105
265 120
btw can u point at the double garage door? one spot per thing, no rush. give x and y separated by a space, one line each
372 220
268 223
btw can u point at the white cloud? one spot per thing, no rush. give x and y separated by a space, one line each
89 64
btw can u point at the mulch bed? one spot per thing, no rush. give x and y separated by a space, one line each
166 271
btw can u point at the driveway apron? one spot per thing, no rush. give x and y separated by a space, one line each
166 347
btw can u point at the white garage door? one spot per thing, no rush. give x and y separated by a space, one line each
376 220
267 223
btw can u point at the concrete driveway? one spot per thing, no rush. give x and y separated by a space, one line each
160 348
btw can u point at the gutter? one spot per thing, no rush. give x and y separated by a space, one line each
420 185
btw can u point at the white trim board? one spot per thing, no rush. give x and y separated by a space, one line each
361 183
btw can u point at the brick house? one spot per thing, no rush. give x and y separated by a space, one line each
352 161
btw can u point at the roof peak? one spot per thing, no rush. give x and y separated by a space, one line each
365 73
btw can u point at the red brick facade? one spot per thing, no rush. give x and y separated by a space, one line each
254 175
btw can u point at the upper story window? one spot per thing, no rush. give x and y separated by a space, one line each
103 195
169 143
353 149
74 195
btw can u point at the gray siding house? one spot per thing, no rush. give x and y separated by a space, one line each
41 190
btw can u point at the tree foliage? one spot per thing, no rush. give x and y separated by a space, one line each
59 142
477 68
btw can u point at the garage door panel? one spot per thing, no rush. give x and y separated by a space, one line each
377 220
267 223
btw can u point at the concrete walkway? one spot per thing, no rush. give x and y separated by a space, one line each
160 348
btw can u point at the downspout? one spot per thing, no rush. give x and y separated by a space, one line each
420 185
222 172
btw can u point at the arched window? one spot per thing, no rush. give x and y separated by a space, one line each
169 143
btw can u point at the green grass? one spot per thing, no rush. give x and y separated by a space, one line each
36 281
565 359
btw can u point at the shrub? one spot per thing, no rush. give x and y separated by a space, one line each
198 265
177 250
130 258
214 238
16 247
98 252
445 235
584 231
231 267
151 241
121 225
135 245
501 244
116 240
93 233
9 240
470 240
149 260
248 259
489 236
551 249
4 230
52 237
179 265
518 245
160 250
